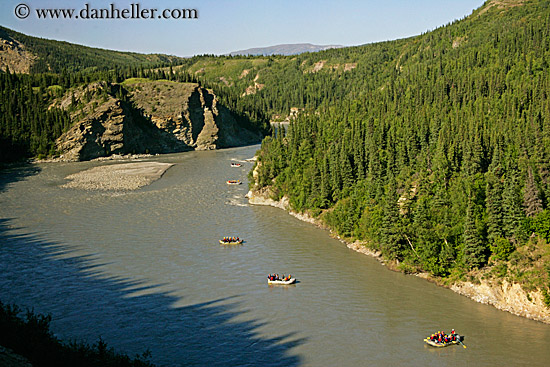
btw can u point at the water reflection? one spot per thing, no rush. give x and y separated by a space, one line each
85 305
15 173
146 270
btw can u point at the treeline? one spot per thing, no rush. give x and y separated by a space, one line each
30 337
321 79
29 127
291 81
443 161
58 56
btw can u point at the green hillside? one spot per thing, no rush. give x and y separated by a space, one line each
434 150
47 69
57 56
324 78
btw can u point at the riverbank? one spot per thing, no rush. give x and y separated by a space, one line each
505 296
26 340
117 177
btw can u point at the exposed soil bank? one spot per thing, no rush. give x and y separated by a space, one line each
500 294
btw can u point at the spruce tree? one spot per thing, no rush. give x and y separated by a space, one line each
531 196
512 208
392 241
493 205
474 250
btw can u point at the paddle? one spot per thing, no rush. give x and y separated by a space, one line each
458 338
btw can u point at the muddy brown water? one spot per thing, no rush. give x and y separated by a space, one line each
144 270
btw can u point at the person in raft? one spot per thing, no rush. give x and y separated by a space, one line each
453 335
442 338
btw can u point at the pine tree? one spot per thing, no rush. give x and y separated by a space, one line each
512 208
531 196
493 205
392 241
474 250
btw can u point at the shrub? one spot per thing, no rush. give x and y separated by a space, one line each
502 248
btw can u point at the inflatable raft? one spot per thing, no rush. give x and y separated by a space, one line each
282 282
233 182
222 242
435 343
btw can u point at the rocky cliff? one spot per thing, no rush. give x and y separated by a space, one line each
144 116
14 55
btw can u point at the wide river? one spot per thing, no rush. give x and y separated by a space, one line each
144 270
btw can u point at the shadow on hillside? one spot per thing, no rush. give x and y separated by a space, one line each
129 315
16 172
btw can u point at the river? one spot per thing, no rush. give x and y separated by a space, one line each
144 270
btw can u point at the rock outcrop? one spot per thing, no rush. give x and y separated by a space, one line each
13 55
507 297
143 116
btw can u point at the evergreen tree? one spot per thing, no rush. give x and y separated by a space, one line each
474 250
531 196
391 236
512 208
493 204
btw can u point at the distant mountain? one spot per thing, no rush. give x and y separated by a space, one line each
285 49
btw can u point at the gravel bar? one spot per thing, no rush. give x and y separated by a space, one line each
117 177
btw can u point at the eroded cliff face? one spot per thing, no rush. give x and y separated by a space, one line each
142 116
507 297
14 55
193 114
106 123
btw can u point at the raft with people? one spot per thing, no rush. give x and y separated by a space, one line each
231 241
284 280
234 182
441 340
236 164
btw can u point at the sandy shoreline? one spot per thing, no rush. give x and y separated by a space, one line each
117 177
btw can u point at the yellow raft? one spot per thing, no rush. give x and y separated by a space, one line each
282 282
222 242
437 344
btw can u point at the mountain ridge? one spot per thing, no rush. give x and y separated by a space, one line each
56 56
286 49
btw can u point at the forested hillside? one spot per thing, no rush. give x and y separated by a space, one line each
434 149
64 57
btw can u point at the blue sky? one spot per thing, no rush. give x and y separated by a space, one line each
229 25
